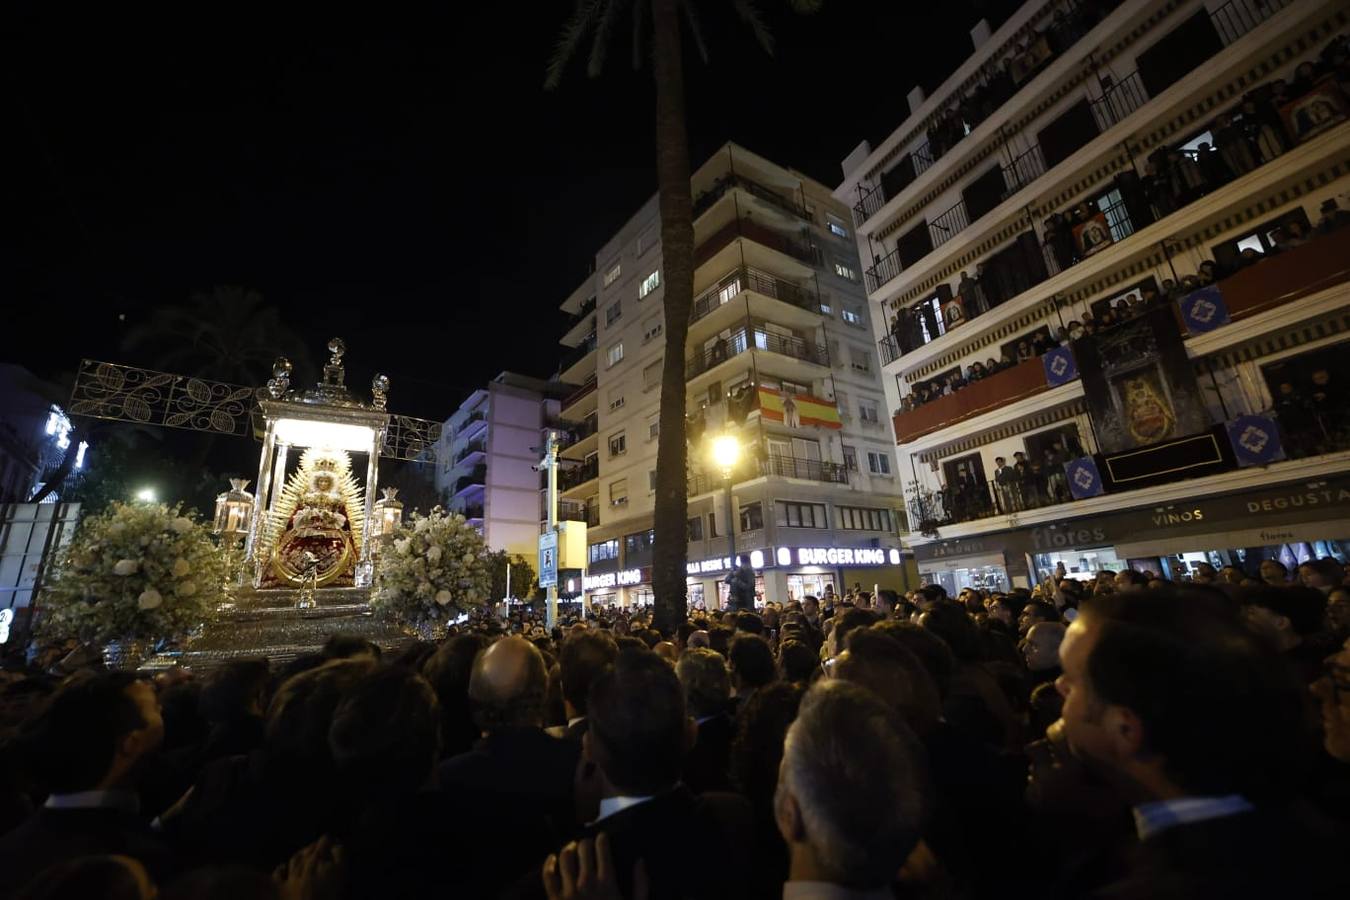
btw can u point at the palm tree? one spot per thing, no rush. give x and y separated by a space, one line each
597 19
227 333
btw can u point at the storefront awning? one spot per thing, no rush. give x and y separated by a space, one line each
951 563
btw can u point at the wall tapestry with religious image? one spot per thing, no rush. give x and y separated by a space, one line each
797 410
1139 383
1092 235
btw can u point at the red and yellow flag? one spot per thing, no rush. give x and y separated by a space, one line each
798 410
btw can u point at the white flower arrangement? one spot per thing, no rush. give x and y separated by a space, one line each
137 572
436 568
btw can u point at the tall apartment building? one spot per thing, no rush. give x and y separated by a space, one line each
486 458
779 355
1121 220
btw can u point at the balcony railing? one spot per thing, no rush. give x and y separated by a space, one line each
748 279
570 478
586 309
774 465
945 226
757 233
882 271
471 422
476 478
579 394
578 353
704 201
579 431
990 393
740 341
1118 100
479 446
474 511
1237 17
1024 169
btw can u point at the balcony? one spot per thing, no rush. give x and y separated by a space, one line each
474 480
742 228
474 423
569 479
705 201
746 279
1117 100
476 448
1017 383
575 356
772 342
574 511
473 512
775 466
579 394
581 439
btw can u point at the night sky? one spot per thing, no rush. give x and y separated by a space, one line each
397 178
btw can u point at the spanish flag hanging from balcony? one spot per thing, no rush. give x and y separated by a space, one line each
797 410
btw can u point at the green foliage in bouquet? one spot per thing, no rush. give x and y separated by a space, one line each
435 567
136 572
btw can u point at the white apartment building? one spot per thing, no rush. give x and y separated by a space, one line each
486 458
1088 163
780 354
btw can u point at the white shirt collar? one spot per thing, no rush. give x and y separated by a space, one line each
126 801
611 805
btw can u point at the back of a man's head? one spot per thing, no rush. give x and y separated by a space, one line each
387 726
637 724
846 621
508 685
856 773
887 600
885 667
707 685
301 712
1217 706
746 621
1304 607
236 690
751 660
349 646
930 650
950 622
719 638
583 657
75 736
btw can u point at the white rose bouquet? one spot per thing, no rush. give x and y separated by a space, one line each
137 572
434 568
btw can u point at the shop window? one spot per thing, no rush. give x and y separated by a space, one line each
639 542
604 550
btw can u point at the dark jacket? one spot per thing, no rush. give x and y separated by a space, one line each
53 836
708 761
523 768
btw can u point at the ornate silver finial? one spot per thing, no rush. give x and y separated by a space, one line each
280 382
390 492
337 347
379 389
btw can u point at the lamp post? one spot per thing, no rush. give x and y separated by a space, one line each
726 453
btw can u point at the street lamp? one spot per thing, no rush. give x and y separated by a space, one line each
388 516
726 453
234 509
146 495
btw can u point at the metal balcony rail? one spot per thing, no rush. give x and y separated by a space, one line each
579 431
757 233
1024 169
586 309
474 478
883 270
945 226
870 201
1237 17
747 279
705 200
1118 100
470 449
969 500
570 478
579 394
740 341
809 469
578 353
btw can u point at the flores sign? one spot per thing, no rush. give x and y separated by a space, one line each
612 579
838 556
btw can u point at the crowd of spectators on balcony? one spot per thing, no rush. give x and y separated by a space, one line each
1029 347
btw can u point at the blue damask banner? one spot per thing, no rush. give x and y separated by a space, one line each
1060 366
1255 440
1204 310
1084 479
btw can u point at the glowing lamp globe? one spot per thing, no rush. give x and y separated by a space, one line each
388 513
234 510
726 452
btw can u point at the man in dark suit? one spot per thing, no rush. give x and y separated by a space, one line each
516 764
584 655
88 746
707 691
637 739
1200 725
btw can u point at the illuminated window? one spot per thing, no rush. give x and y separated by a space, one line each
649 284
844 271
851 315
612 274
836 225
615 354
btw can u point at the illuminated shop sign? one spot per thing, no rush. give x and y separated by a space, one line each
837 556
612 579
723 563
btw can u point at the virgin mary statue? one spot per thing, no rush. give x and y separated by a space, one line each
314 532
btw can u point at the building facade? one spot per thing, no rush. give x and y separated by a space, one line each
779 356
489 448
34 436
1106 274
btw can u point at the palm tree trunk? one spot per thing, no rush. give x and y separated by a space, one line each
670 549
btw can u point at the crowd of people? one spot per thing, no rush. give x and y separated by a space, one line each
1121 737
1032 346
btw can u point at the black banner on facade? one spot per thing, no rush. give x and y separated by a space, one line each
1139 384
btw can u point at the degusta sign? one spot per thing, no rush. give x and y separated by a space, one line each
612 579
837 556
